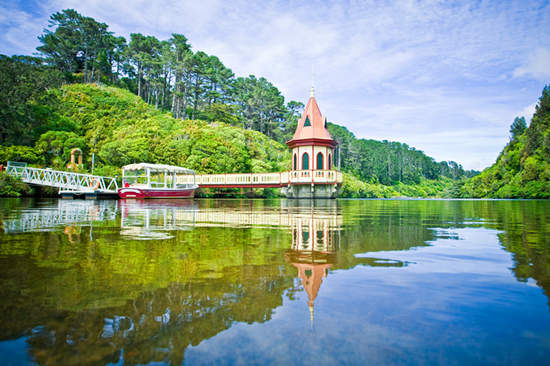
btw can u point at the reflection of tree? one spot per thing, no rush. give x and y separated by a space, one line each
399 225
527 236
157 326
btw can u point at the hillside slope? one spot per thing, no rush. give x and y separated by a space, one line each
122 129
522 170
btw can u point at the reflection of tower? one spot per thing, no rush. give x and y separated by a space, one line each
312 275
313 252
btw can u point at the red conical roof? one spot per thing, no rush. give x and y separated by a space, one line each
315 130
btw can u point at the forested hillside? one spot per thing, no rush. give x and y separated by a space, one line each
122 129
187 108
388 162
522 169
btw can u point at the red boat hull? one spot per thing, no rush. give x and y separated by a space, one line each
131 192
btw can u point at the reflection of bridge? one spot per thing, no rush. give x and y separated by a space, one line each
164 215
81 213
315 230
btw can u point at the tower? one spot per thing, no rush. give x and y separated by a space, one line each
312 174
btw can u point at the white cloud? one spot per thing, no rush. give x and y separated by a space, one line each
537 65
19 31
528 112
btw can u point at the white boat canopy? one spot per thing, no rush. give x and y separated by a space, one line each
158 168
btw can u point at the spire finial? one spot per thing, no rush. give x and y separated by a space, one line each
312 92
311 316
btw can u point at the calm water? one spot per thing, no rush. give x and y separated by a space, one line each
280 282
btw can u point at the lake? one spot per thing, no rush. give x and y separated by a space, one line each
274 282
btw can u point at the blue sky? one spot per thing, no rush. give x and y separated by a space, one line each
445 77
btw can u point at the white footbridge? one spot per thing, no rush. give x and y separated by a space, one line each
90 186
66 182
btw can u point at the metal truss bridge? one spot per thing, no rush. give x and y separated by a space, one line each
65 181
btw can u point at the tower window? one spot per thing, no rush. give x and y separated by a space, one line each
307 123
329 162
320 161
295 162
305 161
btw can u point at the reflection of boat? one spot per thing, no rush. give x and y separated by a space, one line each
155 219
156 181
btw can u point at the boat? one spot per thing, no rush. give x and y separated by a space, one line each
145 180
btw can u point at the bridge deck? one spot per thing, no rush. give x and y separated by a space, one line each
264 180
87 183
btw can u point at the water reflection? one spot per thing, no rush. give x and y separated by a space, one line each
142 219
143 280
95 282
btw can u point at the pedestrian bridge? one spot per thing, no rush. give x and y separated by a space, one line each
88 183
65 181
263 180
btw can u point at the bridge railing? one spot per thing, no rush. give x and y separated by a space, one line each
267 179
315 177
62 179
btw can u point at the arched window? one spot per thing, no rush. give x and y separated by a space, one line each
295 162
320 161
305 161
329 162
307 123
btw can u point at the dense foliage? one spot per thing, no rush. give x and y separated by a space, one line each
12 187
165 73
390 162
356 188
121 128
522 169
23 112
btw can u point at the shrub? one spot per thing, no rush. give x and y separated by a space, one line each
12 187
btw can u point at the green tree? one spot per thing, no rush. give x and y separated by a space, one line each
178 56
142 53
517 128
24 101
76 44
